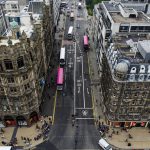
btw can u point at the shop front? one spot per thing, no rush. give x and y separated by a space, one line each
9 121
128 124
21 121
33 117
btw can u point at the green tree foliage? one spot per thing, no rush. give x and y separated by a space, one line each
90 5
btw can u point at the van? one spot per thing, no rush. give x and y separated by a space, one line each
103 144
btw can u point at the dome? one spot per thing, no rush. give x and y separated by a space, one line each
122 67
14 24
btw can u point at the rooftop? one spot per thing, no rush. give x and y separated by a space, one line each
130 54
118 18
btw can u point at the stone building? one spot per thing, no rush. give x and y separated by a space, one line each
126 91
121 38
24 58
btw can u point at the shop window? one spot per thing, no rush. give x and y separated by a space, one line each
10 80
8 64
25 77
20 62
13 89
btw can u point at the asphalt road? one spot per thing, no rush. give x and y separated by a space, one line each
74 123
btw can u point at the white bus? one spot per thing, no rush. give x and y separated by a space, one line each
79 5
70 33
62 56
71 16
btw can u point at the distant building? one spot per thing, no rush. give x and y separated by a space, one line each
121 38
25 54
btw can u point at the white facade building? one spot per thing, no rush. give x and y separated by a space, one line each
111 18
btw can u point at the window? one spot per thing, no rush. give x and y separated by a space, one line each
13 89
25 77
20 62
31 56
1 89
13 6
8 64
10 80
26 86
1 67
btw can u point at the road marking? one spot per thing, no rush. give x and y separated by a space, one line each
54 109
83 84
88 91
84 118
79 84
75 78
84 112
78 89
84 108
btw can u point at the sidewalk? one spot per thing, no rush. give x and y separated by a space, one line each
25 133
95 80
140 140
141 136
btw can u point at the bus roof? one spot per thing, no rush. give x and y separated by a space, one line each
72 14
60 74
5 147
62 53
70 30
85 38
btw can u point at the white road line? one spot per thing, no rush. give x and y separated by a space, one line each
83 84
85 108
84 118
88 91
78 89
75 79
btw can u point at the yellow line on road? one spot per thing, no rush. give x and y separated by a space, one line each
54 109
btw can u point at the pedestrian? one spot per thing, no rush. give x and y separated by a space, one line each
99 117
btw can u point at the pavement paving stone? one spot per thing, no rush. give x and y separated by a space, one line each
7 135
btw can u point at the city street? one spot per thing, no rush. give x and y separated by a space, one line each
74 126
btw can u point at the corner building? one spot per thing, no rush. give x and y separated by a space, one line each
125 81
24 58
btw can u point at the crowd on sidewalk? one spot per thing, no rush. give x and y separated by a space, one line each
27 136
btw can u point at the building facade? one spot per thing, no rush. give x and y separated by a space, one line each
126 90
24 59
114 21
56 10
